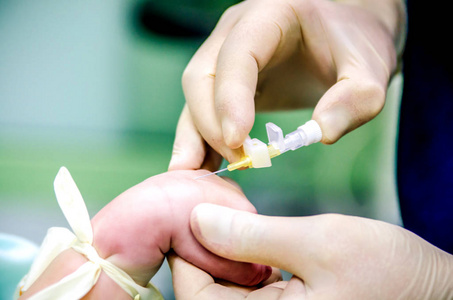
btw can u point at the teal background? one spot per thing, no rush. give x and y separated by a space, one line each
82 85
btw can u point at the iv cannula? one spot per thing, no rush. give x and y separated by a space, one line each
258 155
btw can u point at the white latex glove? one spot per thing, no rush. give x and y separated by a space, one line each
331 257
338 56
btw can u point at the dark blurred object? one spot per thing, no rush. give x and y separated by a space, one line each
425 146
179 18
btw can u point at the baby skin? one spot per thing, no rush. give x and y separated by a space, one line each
139 227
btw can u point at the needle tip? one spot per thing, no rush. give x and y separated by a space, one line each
212 173
203 176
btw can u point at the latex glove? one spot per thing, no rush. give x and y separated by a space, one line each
331 256
190 282
269 55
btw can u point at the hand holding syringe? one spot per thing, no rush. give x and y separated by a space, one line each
258 155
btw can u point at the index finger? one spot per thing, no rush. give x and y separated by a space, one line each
198 86
247 49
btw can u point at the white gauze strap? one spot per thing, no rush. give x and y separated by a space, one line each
80 282
73 206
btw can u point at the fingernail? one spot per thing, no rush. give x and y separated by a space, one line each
214 222
229 133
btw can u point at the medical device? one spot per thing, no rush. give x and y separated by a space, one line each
258 155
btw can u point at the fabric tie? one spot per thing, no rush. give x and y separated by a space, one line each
79 283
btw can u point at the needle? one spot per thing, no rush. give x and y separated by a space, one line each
211 173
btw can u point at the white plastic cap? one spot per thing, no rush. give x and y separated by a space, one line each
305 135
312 131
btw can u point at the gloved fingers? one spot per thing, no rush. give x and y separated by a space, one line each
364 57
248 48
198 86
268 292
291 244
190 282
188 148
190 152
187 279
295 289
269 289
242 273
348 104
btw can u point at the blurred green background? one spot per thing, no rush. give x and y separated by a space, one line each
95 86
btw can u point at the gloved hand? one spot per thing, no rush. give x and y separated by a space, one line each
269 55
331 257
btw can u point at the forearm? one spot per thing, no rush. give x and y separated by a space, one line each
392 14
